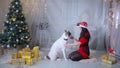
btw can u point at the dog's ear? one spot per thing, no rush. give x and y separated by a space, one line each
65 30
69 33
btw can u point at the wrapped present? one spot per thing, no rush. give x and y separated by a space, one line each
104 56
25 56
26 49
112 57
22 61
28 53
14 55
29 61
108 61
13 61
36 52
20 53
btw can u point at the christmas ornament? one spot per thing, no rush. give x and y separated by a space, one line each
17 40
16 3
13 6
11 28
21 21
10 23
14 45
20 30
17 10
16 25
2 31
8 46
7 21
23 28
26 37
13 19
21 38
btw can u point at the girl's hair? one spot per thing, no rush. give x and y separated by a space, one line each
85 33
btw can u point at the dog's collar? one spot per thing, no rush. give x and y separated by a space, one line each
65 39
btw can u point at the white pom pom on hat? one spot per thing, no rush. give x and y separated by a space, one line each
82 24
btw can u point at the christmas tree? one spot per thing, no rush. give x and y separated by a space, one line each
15 30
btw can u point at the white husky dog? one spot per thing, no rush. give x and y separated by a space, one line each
59 47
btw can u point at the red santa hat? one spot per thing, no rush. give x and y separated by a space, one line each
82 24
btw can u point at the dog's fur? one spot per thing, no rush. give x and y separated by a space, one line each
59 47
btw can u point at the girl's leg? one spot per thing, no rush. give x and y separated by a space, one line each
75 56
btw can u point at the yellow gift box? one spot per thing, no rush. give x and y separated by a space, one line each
29 61
25 56
20 53
104 56
36 52
14 55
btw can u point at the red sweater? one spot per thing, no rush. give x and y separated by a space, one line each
84 48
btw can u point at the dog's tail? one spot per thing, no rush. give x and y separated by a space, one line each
47 57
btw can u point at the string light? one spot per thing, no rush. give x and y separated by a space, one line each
14 45
20 30
26 37
16 25
8 46
21 21
13 6
21 38
13 34
16 2
11 28
7 21
17 40
17 10
23 28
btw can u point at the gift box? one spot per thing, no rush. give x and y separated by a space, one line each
25 56
29 61
14 56
20 53
110 59
104 56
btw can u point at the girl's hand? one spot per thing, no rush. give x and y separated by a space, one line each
67 45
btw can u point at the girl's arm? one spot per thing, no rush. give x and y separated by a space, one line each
73 44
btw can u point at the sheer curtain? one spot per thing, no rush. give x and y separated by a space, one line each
115 30
61 15
64 14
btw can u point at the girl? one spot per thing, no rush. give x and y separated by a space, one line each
83 51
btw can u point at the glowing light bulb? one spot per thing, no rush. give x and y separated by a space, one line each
16 2
11 28
8 46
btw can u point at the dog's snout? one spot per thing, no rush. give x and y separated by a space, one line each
65 39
